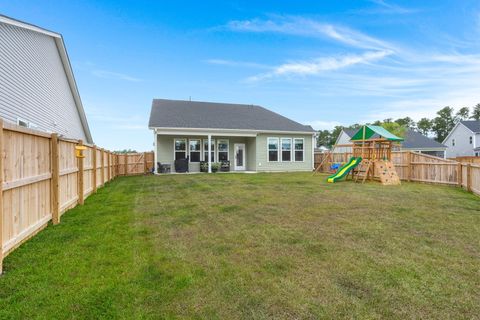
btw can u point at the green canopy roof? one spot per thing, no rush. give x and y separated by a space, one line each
372 130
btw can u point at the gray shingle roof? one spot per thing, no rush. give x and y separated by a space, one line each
416 140
209 115
413 140
473 125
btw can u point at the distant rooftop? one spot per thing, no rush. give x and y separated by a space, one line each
473 125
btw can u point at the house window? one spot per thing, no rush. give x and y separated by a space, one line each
298 142
471 140
180 149
286 149
453 142
212 150
272 149
223 150
194 148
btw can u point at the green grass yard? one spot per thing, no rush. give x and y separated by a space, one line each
252 246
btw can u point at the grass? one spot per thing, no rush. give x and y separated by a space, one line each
252 246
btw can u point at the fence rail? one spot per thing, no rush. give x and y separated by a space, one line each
413 166
41 178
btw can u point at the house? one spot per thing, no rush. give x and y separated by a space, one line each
464 139
413 141
247 137
37 85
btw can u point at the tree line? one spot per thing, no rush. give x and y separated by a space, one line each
439 126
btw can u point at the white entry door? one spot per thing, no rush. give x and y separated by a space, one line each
239 149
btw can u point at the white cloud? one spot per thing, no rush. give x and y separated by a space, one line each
311 28
324 125
114 75
320 65
388 8
232 63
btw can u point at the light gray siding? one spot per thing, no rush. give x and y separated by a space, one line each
33 83
462 147
343 138
262 154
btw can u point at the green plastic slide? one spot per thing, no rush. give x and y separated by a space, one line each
345 169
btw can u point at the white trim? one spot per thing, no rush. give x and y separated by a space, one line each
281 149
24 25
268 149
155 156
241 132
303 149
244 157
209 144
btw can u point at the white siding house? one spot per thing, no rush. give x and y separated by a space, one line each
464 139
37 86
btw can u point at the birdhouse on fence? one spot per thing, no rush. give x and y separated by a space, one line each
79 151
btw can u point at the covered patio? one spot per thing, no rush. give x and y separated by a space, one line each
184 151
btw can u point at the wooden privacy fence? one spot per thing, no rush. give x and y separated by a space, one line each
413 166
41 178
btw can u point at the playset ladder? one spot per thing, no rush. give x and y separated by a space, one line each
363 170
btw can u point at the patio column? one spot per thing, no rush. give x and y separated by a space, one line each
154 151
209 153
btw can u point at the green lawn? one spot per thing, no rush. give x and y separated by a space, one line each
253 246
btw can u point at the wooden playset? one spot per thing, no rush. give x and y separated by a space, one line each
371 157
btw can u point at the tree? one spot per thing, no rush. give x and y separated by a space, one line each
443 123
476 112
125 151
324 138
424 126
406 122
462 114
395 128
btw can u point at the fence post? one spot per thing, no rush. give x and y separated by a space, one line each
409 165
1 196
108 165
55 167
459 174
469 177
103 167
125 166
81 199
94 160
145 163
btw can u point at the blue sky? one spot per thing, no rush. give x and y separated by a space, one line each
322 63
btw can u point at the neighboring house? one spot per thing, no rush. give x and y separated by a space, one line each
413 141
464 139
250 137
37 86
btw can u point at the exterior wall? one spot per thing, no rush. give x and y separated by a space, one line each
165 150
33 83
462 147
251 154
343 138
262 154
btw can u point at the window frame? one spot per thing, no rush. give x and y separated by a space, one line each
295 150
175 150
281 148
199 151
278 149
218 149
205 150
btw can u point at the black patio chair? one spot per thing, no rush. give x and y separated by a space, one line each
163 168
